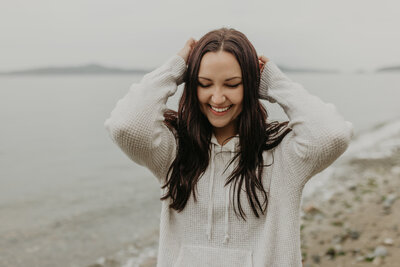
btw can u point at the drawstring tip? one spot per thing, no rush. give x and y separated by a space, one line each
226 239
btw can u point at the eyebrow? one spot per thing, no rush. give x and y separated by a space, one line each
225 80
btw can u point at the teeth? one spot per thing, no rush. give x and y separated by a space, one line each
220 109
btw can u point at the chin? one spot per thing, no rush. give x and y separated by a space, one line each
217 124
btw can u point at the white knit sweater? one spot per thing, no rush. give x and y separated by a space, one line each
207 232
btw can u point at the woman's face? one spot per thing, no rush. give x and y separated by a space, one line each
220 89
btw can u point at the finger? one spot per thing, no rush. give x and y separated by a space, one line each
190 41
264 58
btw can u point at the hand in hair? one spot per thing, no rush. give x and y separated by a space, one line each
187 49
262 61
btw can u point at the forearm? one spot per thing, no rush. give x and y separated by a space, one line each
297 102
136 123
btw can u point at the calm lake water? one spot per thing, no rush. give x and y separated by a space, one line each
69 196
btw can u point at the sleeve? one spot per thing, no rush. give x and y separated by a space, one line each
319 133
136 123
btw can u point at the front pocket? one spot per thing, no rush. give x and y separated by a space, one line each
198 256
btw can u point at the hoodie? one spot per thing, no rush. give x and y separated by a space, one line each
208 232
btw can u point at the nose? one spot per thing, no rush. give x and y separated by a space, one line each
218 97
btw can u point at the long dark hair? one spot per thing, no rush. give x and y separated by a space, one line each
193 130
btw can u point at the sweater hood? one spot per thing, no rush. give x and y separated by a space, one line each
231 147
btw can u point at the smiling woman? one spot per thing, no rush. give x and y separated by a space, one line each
220 101
219 148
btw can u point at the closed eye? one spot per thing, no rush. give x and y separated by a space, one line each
231 86
205 86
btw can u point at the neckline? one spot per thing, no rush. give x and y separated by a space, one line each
230 145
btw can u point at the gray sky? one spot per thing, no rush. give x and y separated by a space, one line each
342 34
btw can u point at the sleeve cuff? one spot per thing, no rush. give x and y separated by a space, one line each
270 75
178 67
172 70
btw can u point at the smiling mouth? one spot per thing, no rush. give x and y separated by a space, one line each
220 110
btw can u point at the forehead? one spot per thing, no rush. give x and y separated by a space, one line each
219 65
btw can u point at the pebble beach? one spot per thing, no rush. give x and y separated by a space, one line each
359 223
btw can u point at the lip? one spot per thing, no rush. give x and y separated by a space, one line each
219 113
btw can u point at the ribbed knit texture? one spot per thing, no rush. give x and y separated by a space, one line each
207 232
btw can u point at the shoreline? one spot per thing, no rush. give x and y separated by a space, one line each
358 223
358 226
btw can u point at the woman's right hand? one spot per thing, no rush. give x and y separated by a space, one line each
262 60
187 49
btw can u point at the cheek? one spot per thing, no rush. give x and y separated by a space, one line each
202 99
201 96
237 98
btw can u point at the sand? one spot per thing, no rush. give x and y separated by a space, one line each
360 224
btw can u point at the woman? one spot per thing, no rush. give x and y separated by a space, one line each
218 156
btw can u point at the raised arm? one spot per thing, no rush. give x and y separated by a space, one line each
136 123
319 133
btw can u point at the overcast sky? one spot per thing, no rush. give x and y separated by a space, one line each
339 34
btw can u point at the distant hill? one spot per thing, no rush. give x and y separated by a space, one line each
96 69
88 69
288 69
389 69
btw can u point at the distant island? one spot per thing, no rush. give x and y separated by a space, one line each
389 69
288 69
88 69
97 69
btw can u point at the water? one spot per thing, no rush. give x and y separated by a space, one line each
69 196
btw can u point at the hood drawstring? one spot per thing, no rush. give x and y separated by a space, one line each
211 196
211 201
227 191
